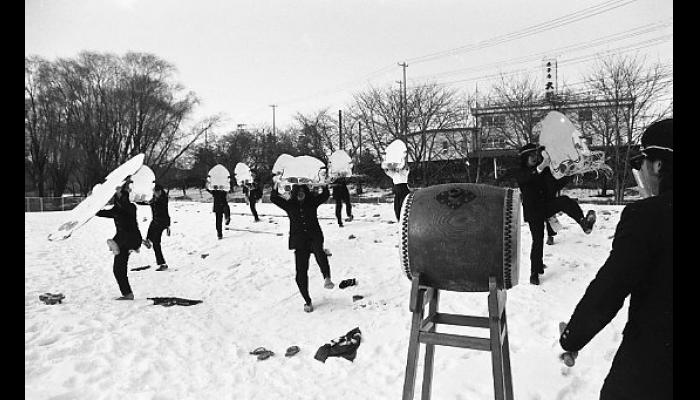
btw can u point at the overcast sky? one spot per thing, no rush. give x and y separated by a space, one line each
241 56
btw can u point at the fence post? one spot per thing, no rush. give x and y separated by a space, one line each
62 208
27 209
41 204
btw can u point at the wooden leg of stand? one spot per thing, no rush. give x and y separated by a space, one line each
506 361
413 344
496 344
430 349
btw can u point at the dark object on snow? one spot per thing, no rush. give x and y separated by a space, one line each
352 237
262 353
344 346
205 255
50 298
357 297
291 351
347 282
141 268
173 301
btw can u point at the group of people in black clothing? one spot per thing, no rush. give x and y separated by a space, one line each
128 237
640 264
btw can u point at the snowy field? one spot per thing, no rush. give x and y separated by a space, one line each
92 347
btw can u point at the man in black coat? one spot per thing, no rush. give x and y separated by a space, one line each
341 195
535 182
160 221
305 235
128 237
640 265
253 193
220 209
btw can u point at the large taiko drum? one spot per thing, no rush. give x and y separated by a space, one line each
457 235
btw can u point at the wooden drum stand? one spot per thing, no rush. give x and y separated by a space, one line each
423 331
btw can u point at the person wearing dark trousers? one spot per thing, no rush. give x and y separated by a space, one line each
640 265
305 235
400 188
253 193
533 177
127 238
160 221
341 195
554 187
220 209
551 233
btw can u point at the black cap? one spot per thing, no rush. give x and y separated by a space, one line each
657 140
658 136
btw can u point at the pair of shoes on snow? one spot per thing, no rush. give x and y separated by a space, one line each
50 298
263 353
328 284
534 279
308 308
162 267
129 296
147 243
113 246
588 221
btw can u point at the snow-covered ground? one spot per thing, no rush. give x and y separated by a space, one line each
92 347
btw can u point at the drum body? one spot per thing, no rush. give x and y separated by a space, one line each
456 235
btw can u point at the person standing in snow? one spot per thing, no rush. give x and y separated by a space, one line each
305 235
534 179
341 195
127 238
640 265
160 221
253 193
400 189
220 209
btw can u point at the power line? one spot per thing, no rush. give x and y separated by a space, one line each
579 60
648 28
557 22
529 31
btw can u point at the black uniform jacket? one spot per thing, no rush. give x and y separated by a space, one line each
253 192
128 236
537 190
159 209
340 189
303 220
220 200
640 265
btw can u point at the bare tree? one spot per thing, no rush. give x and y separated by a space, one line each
619 80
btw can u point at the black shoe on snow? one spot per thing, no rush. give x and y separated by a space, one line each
588 221
550 240
162 267
534 279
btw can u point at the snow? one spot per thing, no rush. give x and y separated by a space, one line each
92 347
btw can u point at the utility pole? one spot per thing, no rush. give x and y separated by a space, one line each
274 131
401 130
340 129
405 106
